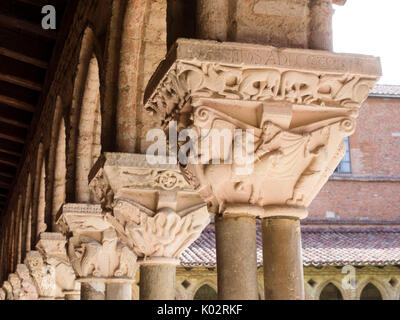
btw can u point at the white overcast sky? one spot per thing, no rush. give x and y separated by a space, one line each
370 27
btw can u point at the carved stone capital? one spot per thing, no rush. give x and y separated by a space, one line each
8 289
297 105
15 282
122 175
155 212
28 288
102 260
162 235
94 250
249 72
52 246
43 275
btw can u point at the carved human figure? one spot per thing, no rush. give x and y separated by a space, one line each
276 146
3 294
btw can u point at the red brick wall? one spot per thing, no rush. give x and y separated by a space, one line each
375 153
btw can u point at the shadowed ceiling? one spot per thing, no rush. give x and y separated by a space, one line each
28 58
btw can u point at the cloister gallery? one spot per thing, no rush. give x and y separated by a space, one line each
85 214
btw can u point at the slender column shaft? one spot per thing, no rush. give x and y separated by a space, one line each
119 291
72 297
212 21
321 13
93 291
157 282
283 266
236 258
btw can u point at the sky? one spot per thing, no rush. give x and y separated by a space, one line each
370 27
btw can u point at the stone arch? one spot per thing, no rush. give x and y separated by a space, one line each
84 119
55 189
38 197
207 282
19 229
41 225
27 217
370 292
377 284
330 292
89 133
59 174
321 286
205 292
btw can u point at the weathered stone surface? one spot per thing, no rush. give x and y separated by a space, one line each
298 104
53 248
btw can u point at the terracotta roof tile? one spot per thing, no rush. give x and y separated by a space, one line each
333 245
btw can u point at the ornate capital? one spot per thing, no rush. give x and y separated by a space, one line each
28 288
297 105
165 234
105 260
249 72
8 290
94 250
52 246
43 275
154 210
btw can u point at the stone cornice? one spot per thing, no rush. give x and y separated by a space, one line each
232 71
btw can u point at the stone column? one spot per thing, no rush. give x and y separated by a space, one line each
100 261
213 19
236 257
282 256
155 213
320 37
157 279
280 117
93 291
119 291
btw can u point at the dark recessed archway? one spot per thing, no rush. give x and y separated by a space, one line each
331 292
205 292
370 292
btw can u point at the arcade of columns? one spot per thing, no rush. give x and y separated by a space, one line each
298 97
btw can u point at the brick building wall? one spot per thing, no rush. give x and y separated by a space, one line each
371 191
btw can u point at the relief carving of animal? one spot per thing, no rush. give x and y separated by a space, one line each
108 259
260 84
299 87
